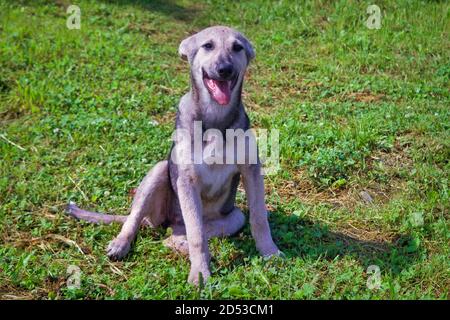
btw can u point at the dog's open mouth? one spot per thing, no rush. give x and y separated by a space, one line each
220 90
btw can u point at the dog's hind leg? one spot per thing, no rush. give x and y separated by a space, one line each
219 227
150 206
178 240
226 226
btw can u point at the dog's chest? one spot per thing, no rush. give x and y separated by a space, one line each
216 175
216 180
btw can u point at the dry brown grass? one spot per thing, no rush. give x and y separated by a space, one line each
302 188
365 96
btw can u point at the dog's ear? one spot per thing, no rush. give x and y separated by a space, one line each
248 47
187 48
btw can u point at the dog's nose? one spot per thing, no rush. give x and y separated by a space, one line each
225 70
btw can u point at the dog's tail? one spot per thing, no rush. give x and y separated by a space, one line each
95 217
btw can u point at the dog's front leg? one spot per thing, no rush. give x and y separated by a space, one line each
192 210
253 182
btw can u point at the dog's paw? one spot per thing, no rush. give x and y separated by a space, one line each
117 249
198 275
278 254
270 250
178 244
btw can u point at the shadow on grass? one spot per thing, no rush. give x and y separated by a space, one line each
300 237
165 7
168 8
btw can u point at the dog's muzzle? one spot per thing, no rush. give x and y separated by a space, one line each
221 87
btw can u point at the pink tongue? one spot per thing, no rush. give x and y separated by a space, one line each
220 91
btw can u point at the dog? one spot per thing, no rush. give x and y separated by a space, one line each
197 200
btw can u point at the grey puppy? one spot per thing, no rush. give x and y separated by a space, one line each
197 200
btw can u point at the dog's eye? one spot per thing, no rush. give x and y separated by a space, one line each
237 47
208 46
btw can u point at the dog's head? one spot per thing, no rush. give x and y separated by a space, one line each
218 57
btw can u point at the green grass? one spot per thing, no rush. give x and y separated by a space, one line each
84 114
